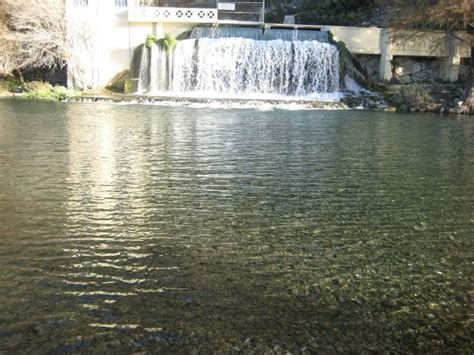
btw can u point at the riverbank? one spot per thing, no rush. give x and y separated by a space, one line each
35 90
434 98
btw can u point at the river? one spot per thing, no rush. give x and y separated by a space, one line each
135 228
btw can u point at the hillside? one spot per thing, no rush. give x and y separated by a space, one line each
327 12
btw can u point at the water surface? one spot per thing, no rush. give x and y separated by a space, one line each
171 229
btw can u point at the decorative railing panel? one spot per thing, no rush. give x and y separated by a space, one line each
177 3
172 14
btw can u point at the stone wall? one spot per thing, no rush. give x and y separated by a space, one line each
371 63
408 70
411 70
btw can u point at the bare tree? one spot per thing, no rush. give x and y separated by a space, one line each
35 35
3 32
38 34
79 45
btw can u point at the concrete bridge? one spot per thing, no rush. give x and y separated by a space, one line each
115 28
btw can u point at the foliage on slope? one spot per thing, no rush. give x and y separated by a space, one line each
324 12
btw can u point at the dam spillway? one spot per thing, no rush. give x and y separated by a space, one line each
238 62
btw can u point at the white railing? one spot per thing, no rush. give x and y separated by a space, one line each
171 14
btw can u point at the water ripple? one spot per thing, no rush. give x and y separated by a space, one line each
264 225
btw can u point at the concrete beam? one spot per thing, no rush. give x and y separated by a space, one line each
450 67
386 56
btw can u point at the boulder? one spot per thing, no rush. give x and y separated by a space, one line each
119 82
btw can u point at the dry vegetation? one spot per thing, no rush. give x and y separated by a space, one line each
34 34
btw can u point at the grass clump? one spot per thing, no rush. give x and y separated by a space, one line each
10 84
45 91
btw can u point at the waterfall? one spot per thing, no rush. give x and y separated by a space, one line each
242 61
243 66
158 69
294 35
259 34
144 71
227 32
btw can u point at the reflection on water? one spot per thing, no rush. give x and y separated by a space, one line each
136 228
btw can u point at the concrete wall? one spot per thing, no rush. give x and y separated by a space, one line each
372 40
389 44
358 40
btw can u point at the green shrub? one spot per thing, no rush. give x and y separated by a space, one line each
38 90
168 42
150 39
331 37
45 91
10 84
60 93
343 53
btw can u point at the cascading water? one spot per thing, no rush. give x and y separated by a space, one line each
242 61
144 71
259 34
294 35
227 32
243 66
158 68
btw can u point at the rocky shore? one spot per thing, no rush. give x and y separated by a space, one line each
438 98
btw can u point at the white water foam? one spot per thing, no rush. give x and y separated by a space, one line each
223 104
322 97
